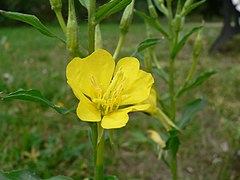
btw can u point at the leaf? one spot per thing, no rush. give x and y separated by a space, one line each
59 178
198 81
110 178
189 111
34 96
31 20
173 142
162 74
85 3
182 42
146 44
110 8
152 22
193 6
18 175
26 175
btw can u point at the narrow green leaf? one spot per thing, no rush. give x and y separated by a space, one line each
152 22
162 74
18 175
59 178
31 20
198 81
110 178
34 96
146 44
27 175
193 6
182 42
85 3
189 111
110 8
173 143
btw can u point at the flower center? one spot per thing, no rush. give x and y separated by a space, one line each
110 100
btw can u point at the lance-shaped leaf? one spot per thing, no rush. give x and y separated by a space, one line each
182 42
34 96
110 8
198 81
152 22
146 44
31 20
189 111
27 175
192 7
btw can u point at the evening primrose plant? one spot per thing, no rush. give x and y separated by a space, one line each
107 90
173 120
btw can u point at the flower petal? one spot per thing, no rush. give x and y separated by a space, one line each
86 111
115 119
139 90
130 67
91 73
119 118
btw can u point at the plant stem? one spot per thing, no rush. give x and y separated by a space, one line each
99 174
91 25
61 21
172 89
94 138
119 45
174 168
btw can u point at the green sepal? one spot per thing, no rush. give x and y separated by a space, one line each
31 20
110 8
189 111
34 96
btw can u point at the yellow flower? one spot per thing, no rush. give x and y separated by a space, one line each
152 101
108 92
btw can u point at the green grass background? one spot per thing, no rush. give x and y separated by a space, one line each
37 138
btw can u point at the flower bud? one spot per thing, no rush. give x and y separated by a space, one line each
198 44
186 5
157 138
72 30
127 16
56 5
98 38
161 7
152 101
178 22
152 10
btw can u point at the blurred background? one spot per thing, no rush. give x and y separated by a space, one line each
37 138
212 10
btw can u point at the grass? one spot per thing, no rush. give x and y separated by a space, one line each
37 138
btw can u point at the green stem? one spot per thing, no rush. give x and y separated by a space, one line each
91 25
61 21
99 173
94 139
119 45
172 89
174 168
